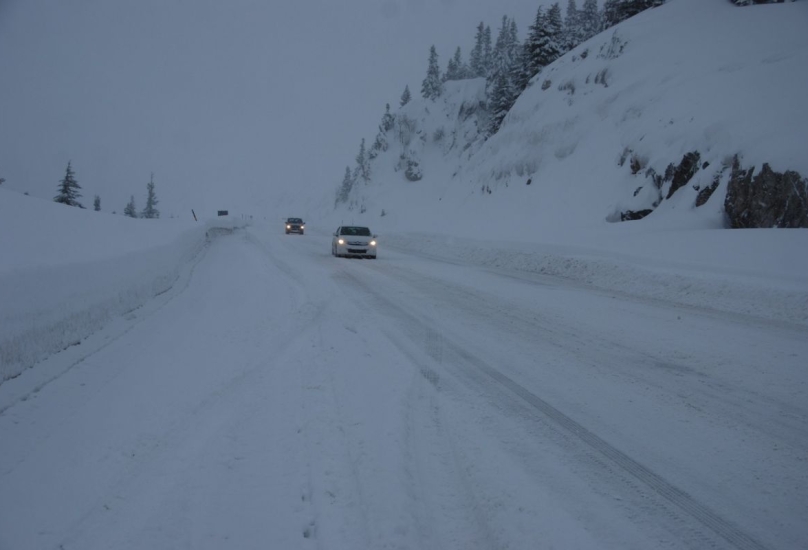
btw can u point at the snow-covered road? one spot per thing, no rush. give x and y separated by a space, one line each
281 398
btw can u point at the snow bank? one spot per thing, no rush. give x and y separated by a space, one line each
767 282
66 272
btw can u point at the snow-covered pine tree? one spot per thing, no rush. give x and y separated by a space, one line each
551 37
590 20
533 43
387 119
505 51
97 203
476 60
69 189
455 69
380 143
506 80
344 190
451 71
501 99
615 11
406 96
499 56
572 26
130 209
519 76
431 86
362 169
487 51
149 211
515 49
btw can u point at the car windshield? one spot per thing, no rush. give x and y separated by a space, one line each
294 220
358 231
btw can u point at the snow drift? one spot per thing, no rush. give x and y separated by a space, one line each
67 272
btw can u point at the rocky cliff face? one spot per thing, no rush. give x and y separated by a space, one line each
768 199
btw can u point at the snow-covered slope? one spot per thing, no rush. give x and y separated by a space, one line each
692 75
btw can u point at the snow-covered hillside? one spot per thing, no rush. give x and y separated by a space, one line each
583 143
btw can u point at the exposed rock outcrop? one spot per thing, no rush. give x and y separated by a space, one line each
630 215
684 172
705 194
768 199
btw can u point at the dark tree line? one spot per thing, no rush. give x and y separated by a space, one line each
508 65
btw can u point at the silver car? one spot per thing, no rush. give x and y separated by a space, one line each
353 241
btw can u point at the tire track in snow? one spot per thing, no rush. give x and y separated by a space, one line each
703 514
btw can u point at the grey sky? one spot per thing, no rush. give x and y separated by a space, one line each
230 104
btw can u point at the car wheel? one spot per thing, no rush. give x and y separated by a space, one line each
302 233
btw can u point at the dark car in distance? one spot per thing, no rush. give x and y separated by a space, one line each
295 225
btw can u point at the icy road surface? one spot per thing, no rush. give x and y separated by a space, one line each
280 398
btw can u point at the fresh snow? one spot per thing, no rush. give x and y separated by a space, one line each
514 371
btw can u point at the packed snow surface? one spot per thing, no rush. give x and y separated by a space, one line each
454 393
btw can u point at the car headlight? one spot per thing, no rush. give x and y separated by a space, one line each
288 227
372 243
340 241
302 227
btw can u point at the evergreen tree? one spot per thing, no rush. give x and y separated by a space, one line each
362 164
380 144
507 76
501 100
431 86
455 70
549 44
69 189
130 209
615 11
532 44
487 52
519 75
499 55
97 203
387 119
476 60
506 52
344 190
149 211
572 26
589 20
451 71
406 96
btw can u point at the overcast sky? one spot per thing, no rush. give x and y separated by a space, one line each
231 104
